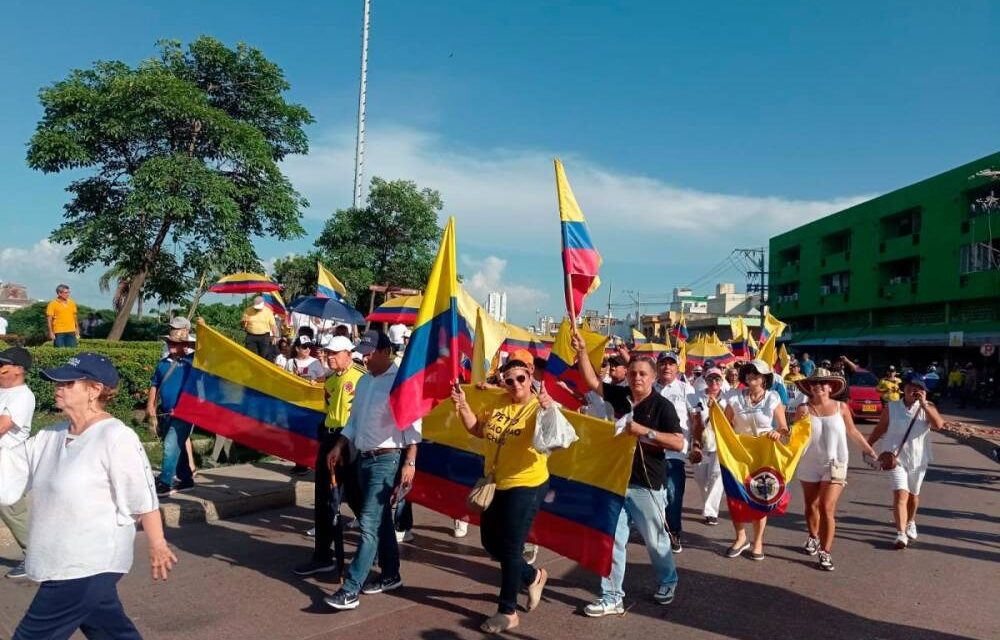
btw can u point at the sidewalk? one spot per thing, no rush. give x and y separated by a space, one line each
977 428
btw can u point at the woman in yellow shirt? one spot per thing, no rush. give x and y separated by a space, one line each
522 479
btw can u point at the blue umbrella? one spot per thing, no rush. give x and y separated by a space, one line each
328 309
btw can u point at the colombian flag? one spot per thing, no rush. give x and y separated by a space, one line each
327 285
638 338
561 366
756 470
771 327
433 359
275 303
581 261
587 482
680 330
238 395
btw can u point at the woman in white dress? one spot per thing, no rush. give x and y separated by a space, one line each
757 410
905 424
822 469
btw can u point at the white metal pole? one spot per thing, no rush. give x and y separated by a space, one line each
359 149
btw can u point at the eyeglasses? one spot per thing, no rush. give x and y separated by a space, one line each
510 381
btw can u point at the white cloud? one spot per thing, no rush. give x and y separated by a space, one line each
501 196
486 275
42 266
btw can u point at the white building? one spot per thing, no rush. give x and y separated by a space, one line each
496 305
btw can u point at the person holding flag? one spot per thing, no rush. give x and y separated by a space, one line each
522 479
653 421
755 409
707 472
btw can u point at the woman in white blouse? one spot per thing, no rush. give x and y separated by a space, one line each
757 410
90 483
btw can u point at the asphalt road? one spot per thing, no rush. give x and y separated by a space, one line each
234 579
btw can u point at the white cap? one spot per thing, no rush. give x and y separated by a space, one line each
357 356
336 343
180 322
258 306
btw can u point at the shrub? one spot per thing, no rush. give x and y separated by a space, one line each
135 362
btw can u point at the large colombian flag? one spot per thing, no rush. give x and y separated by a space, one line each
581 261
587 484
756 470
238 395
433 359
771 326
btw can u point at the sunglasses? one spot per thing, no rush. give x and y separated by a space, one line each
510 381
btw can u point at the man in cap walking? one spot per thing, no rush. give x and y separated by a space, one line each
17 405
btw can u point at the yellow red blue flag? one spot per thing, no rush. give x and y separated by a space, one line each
756 471
327 285
581 261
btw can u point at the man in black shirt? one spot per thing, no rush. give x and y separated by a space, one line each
653 421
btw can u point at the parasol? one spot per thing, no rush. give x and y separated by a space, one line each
397 310
708 348
245 283
652 347
328 309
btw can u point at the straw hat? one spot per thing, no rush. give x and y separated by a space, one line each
837 383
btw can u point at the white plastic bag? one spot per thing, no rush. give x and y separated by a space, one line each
552 431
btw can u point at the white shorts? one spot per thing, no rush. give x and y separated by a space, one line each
903 480
810 471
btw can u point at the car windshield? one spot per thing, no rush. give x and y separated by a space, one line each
863 379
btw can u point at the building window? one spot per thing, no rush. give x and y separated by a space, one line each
789 257
900 272
979 256
834 283
834 243
983 200
904 223
788 292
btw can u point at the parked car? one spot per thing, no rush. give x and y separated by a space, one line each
865 400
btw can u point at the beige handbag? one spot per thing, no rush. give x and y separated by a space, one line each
482 493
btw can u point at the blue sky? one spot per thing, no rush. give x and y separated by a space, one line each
686 130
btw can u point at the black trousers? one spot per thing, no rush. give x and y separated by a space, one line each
259 343
328 533
504 527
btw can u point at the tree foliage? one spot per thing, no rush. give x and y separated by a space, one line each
390 241
297 275
183 156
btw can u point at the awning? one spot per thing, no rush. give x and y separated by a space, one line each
937 339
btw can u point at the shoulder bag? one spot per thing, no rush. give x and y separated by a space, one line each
887 460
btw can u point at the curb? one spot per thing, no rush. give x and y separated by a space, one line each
981 444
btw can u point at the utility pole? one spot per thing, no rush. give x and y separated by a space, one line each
757 273
608 327
359 148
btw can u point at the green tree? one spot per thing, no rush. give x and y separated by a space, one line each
183 152
297 274
391 241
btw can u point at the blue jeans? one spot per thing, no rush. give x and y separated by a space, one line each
89 604
676 481
377 475
645 508
175 460
65 340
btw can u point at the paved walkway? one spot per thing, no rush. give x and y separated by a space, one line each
234 580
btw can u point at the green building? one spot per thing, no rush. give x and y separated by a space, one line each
915 269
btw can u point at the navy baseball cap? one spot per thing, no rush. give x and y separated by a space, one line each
372 341
917 380
17 356
669 355
84 366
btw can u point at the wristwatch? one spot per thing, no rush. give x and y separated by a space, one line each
651 435
411 463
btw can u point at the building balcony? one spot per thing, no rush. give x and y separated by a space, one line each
833 298
835 262
789 272
897 290
899 247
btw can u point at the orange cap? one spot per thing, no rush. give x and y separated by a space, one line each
524 356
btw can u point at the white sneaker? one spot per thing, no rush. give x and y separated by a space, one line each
901 540
911 530
461 529
311 533
404 536
530 552
603 608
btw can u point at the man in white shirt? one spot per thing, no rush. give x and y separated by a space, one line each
680 394
382 448
396 333
17 405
